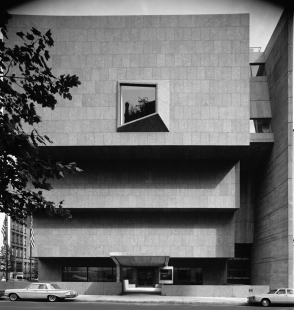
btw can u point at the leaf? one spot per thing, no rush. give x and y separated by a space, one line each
46 54
30 85
48 139
20 34
30 37
36 32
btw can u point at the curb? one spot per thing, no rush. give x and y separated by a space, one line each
188 302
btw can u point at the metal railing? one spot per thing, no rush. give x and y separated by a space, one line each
255 49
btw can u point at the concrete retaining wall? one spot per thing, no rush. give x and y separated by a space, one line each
213 290
115 288
93 288
83 288
10 285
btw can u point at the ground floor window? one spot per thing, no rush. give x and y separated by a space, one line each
89 274
239 266
193 276
128 274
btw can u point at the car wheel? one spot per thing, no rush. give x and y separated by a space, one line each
52 298
13 297
265 302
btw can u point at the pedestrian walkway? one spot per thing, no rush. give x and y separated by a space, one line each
158 299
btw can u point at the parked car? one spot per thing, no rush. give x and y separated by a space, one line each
40 291
275 296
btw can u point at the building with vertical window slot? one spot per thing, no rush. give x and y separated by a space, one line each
19 249
184 136
19 236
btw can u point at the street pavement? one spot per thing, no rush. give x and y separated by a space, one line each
158 299
155 299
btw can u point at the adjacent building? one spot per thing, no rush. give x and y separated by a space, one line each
19 236
184 135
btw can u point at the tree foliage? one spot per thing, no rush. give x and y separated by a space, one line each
6 250
25 82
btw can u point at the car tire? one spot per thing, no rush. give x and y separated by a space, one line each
13 297
265 302
52 298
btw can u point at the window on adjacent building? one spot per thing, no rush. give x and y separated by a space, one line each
257 70
137 101
260 125
19 267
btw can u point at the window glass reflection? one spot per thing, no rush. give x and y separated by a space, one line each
128 274
188 276
260 126
75 274
137 101
101 274
89 274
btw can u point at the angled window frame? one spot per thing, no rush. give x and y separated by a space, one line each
120 108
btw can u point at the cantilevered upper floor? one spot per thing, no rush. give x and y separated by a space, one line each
149 80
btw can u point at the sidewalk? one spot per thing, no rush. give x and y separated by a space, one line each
158 299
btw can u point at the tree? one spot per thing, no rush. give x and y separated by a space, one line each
10 259
25 82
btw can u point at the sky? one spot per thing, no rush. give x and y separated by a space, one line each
264 14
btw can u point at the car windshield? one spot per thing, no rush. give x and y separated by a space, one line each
272 291
54 287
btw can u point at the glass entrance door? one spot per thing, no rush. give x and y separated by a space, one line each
146 277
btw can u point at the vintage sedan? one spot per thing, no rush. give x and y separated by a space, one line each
275 296
40 291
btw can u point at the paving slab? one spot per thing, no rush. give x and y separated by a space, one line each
158 299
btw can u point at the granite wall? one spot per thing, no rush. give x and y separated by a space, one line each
273 232
205 58
145 184
174 233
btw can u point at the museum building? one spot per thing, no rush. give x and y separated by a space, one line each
184 135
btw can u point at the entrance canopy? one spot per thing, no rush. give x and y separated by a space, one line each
126 260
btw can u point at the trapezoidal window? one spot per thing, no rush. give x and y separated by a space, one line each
137 101
260 125
257 70
143 106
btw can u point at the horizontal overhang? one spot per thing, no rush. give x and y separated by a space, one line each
123 259
249 155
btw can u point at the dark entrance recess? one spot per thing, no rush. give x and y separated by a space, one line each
146 277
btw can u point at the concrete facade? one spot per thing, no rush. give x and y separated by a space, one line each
196 192
273 241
